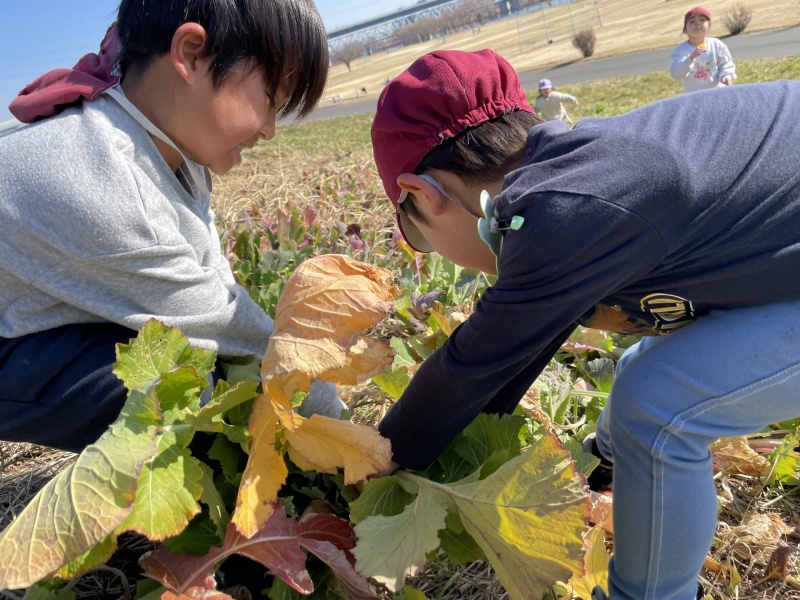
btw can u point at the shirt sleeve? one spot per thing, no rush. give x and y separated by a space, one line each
679 62
548 279
562 97
168 284
725 61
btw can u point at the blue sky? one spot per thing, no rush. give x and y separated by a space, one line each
41 35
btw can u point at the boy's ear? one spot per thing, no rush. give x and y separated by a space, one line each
423 190
187 45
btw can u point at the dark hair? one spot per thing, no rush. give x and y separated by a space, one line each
285 38
487 152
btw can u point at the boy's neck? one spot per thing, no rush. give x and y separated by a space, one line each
149 94
697 41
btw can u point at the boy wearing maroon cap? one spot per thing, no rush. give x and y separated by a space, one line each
610 225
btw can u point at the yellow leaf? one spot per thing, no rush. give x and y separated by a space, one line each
366 359
442 322
265 473
326 304
596 564
327 444
281 403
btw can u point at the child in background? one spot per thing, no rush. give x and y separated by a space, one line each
612 225
701 62
549 103
105 207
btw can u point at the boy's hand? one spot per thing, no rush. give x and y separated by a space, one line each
575 102
727 80
698 51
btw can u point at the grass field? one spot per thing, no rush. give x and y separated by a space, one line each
628 26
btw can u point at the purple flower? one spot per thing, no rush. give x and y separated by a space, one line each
425 300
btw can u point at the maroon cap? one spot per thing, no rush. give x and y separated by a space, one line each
57 89
696 11
442 94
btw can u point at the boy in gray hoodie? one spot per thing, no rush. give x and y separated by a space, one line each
105 207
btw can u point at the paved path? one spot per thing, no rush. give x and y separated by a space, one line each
775 43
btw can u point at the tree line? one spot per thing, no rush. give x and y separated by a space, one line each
470 14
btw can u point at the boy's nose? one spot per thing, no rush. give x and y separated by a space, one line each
268 131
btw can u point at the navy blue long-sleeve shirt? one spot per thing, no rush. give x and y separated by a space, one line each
635 224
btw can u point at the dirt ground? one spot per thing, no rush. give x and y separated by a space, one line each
628 26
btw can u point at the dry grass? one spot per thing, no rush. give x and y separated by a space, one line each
24 470
628 26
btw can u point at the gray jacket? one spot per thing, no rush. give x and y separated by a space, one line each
95 227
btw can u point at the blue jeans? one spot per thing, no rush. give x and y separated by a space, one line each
730 373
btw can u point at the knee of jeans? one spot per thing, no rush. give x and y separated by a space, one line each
637 409
643 418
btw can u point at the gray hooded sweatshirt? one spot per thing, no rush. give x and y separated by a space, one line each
95 227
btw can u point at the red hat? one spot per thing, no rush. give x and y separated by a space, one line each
696 11
441 95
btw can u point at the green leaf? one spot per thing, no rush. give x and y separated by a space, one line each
159 349
85 503
211 497
382 496
412 593
450 273
433 267
241 369
449 467
402 304
98 555
388 546
459 546
281 591
394 381
38 592
223 399
466 286
230 455
585 463
144 587
403 354
197 539
169 487
240 415
548 506
490 435
420 348
785 464
177 389
527 517
601 370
